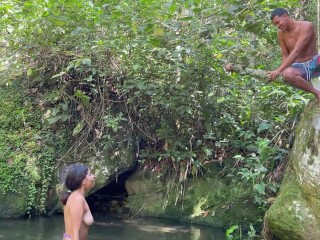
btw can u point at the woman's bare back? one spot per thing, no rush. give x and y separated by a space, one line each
84 215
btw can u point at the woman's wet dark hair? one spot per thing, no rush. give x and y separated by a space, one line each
74 178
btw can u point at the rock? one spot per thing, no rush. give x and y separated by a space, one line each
295 213
12 205
209 200
105 166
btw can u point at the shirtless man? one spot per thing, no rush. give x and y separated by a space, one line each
300 59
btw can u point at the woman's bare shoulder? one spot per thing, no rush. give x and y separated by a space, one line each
75 199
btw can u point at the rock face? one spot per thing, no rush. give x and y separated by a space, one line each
211 199
12 205
295 213
105 167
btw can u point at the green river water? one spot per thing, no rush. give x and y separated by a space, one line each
108 228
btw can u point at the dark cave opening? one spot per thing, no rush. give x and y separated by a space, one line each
112 197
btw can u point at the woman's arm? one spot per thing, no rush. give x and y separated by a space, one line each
76 215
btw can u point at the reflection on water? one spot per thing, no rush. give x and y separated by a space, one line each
108 228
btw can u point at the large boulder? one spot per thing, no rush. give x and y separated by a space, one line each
295 214
211 199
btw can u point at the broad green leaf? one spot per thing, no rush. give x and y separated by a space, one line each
220 99
29 72
260 188
86 61
264 126
54 119
252 147
59 74
230 231
78 128
196 10
84 98
158 31
136 67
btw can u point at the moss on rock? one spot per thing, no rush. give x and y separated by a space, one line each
12 205
207 200
295 213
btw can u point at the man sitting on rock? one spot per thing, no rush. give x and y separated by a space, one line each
300 59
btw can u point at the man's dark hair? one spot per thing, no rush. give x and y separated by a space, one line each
278 12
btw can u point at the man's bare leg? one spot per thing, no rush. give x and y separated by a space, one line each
294 78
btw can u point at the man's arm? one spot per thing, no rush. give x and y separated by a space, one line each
283 47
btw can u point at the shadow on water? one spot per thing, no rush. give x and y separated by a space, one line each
108 228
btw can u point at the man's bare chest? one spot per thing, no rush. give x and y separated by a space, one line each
290 40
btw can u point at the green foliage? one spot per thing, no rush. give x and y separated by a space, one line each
230 231
26 167
235 232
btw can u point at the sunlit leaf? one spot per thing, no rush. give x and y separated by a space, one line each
86 61
84 98
263 126
158 32
78 128
58 75
29 72
260 188
220 99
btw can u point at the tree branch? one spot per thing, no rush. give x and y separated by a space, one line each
258 73
261 74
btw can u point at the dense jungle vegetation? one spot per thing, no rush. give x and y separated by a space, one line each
76 70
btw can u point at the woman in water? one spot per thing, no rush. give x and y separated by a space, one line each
77 215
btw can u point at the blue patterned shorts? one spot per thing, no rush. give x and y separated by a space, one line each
309 69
